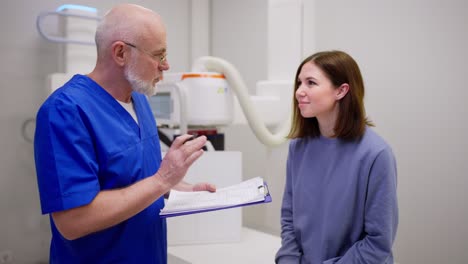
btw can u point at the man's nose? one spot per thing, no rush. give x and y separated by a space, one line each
164 66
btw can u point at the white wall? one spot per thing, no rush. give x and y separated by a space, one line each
413 57
239 36
26 61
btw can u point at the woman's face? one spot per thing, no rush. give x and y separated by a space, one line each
316 95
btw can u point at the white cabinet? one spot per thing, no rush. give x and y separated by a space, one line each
222 168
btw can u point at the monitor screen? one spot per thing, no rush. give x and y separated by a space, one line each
161 105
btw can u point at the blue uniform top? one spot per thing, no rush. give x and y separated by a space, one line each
340 203
86 142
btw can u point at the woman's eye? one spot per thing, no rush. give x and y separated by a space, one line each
309 82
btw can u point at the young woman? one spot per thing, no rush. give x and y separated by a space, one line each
340 202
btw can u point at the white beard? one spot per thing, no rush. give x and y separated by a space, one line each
138 85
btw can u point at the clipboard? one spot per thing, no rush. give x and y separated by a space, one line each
266 199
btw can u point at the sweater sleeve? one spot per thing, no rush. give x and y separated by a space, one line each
290 251
381 214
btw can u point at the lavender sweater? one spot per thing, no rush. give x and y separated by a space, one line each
339 203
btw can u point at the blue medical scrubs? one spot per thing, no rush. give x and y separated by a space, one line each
86 142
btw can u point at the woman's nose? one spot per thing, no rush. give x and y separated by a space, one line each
299 92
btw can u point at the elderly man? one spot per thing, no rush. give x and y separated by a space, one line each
97 152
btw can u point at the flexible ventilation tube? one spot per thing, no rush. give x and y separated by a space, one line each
237 84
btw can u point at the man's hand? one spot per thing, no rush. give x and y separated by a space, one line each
203 186
187 187
182 154
183 186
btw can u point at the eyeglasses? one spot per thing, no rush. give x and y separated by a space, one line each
162 58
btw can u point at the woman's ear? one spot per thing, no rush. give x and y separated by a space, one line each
341 91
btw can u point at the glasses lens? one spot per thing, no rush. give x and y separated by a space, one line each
163 58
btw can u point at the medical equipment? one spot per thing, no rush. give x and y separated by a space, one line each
196 99
68 11
76 29
206 98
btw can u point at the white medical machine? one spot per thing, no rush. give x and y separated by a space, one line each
203 101
195 98
214 95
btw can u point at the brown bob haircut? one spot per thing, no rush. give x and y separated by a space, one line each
351 122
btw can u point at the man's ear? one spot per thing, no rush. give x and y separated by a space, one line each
118 53
341 91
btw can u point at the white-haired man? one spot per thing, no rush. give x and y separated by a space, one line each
97 152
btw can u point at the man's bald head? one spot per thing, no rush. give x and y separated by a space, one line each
127 22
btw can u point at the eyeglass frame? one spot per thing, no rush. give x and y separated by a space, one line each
162 58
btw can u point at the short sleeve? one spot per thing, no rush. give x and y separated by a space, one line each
66 163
